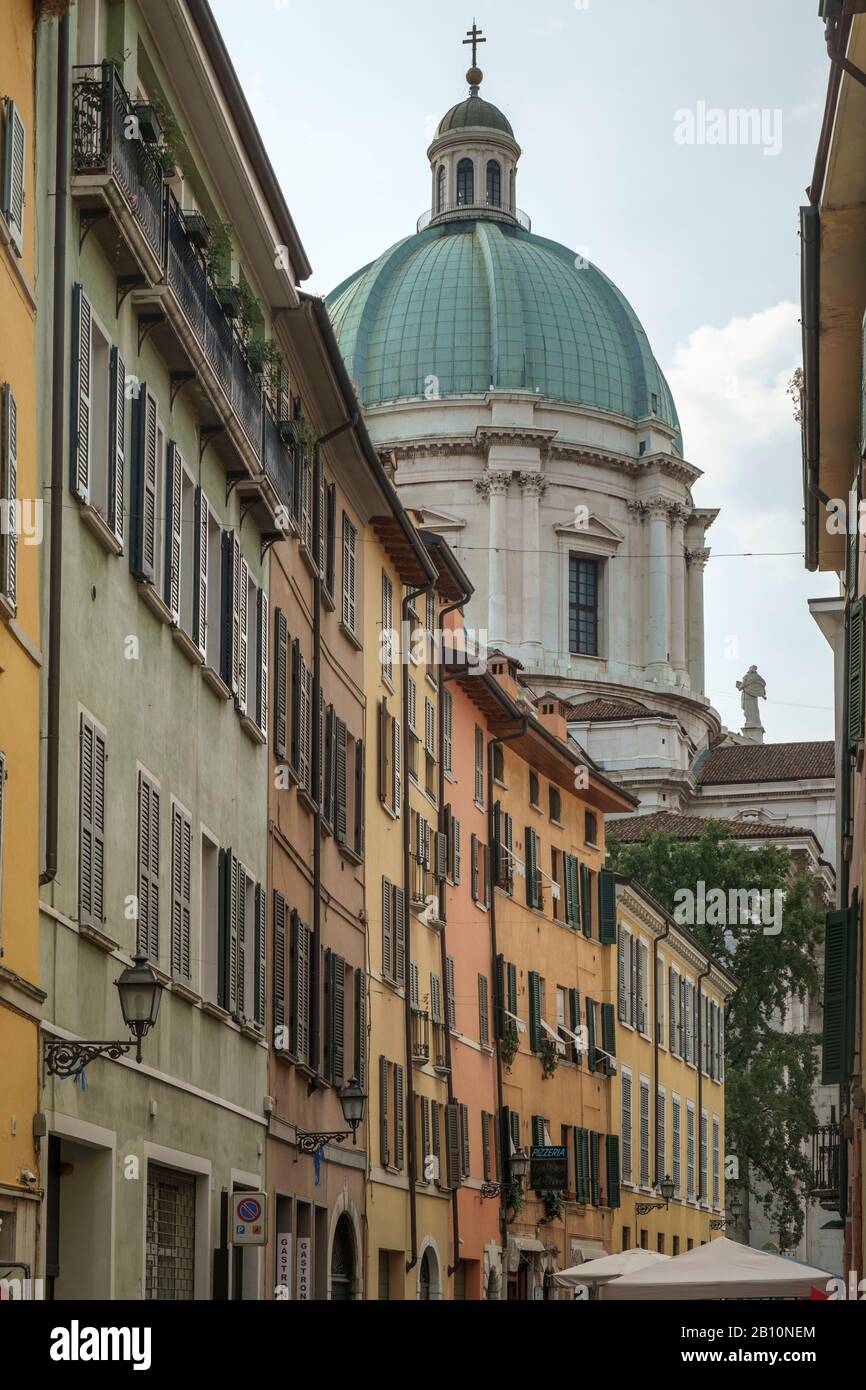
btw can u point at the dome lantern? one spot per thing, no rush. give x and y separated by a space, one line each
473 157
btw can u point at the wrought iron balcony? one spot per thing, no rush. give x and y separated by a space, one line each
502 212
420 1036
826 1140
440 1056
109 158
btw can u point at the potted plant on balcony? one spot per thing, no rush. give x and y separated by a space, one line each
229 297
554 1205
263 356
219 253
549 1057
510 1044
197 229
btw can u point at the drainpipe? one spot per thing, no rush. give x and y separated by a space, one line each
663 937
407 919
58 363
440 680
701 1193
315 1003
498 1004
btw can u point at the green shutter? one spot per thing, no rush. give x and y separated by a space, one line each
608 1030
581 1164
592 1059
585 900
607 907
855 671
499 1002
594 1164
534 1011
537 1131
574 1021
531 868
612 1145
512 988
839 996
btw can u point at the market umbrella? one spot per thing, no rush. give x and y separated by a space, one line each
607 1267
721 1269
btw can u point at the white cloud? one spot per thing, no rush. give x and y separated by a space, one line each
730 384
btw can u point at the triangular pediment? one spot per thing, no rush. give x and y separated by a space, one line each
594 528
439 521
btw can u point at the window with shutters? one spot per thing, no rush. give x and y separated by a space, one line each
301 697
437 1020
704 1190
555 803
479 767
182 543
644 1121
690 1151
716 1161
181 892
148 499
384 1112
626 1124
92 479
209 916
661 1134
213 570
534 793
9 511
387 641
350 539
483 1011
13 167
533 869
676 1143
300 968
91 823
450 993
431 782
361 1000
336 984
624 966
412 736
660 979
448 734
148 865
398 1150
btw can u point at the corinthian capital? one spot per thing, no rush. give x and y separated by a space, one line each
658 506
532 484
697 559
493 484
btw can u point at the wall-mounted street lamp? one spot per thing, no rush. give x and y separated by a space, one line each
666 1188
140 991
518 1165
733 1207
352 1101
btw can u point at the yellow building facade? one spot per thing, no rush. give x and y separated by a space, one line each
669 1087
21 537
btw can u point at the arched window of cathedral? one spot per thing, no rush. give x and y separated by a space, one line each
440 189
494 184
511 191
465 182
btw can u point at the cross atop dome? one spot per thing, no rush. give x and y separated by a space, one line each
474 76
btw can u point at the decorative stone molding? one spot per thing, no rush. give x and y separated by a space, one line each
680 514
493 484
521 436
697 558
659 505
476 445
636 509
532 484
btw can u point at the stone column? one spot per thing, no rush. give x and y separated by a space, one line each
658 621
533 487
697 560
679 516
494 486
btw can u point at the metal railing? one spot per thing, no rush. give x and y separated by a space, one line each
475 208
105 140
420 1036
825 1161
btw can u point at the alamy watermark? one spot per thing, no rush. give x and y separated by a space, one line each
736 907
713 125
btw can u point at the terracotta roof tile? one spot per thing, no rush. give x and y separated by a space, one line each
601 709
631 829
766 762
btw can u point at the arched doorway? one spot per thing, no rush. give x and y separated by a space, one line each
343 1262
425 1277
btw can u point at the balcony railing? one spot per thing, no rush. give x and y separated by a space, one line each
440 1056
479 207
420 1036
105 140
825 1163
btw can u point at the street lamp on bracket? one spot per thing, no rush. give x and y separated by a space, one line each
352 1101
139 989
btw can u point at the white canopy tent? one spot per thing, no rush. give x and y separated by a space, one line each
721 1269
595 1272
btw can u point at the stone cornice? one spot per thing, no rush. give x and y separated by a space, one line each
686 946
448 446
521 436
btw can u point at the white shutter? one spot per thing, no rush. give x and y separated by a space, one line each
147 475
173 492
117 445
387 624
396 766
625 1090
675 1142
412 710
349 538
8 496
449 730
644 1135
91 870
262 690
148 866
236 613
14 160
81 374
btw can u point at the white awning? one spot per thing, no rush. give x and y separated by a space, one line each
584 1250
552 1033
518 1022
580 1043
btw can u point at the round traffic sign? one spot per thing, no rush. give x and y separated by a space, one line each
249 1209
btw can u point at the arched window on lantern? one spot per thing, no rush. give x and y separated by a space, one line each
494 184
465 182
511 207
440 189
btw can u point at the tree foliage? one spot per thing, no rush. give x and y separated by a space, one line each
769 1072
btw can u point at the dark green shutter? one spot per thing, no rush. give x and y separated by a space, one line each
590 1034
608 1030
581 1164
607 907
612 1145
574 1017
585 900
499 1001
280 979
839 997
534 1011
531 876
855 671
594 1163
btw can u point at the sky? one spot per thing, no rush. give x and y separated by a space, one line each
614 103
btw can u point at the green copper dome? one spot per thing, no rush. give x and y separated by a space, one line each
474 111
477 303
